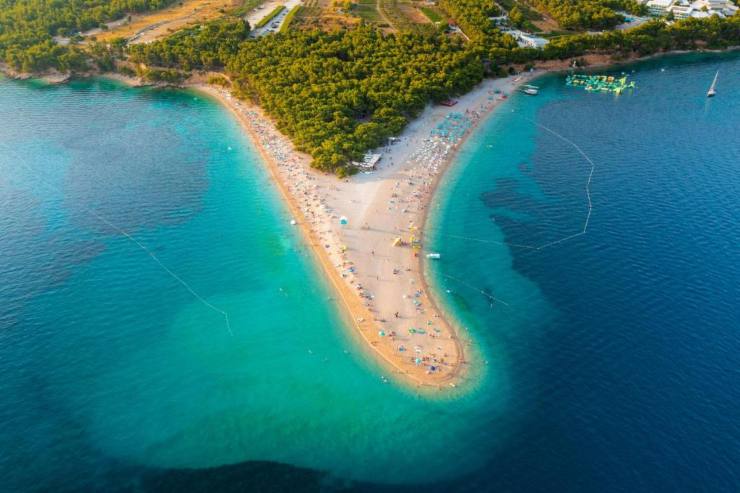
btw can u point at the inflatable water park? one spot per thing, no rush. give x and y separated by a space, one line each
600 83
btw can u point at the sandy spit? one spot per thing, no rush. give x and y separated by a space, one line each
351 226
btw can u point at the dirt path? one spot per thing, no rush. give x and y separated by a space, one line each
381 12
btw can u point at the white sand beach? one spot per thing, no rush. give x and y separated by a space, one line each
382 286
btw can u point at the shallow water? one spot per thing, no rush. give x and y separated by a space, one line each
112 367
611 358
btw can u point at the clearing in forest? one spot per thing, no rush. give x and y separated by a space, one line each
412 12
367 10
143 28
327 15
391 15
432 13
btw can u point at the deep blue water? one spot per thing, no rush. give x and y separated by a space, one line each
630 382
614 356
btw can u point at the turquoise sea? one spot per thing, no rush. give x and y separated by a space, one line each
114 371
130 219
622 344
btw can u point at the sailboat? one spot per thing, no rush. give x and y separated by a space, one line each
711 92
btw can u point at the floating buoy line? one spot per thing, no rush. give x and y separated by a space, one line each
92 212
549 244
534 247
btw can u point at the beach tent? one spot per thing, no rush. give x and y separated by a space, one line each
343 220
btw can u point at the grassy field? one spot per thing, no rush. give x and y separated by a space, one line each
308 15
367 11
412 12
402 15
432 14
390 15
326 15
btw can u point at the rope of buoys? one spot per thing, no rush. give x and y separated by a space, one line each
558 241
136 242
484 293
530 246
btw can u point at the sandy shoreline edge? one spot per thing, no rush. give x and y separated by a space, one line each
298 185
421 346
383 288
358 314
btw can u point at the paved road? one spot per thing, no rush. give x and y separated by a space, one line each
274 25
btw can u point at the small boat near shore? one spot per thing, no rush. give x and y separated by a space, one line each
530 89
434 255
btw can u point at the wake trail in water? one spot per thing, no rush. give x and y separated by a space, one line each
131 238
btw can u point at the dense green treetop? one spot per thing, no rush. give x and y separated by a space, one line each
335 94
587 14
473 16
339 94
208 46
28 26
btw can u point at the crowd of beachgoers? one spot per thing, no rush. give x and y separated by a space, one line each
370 228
